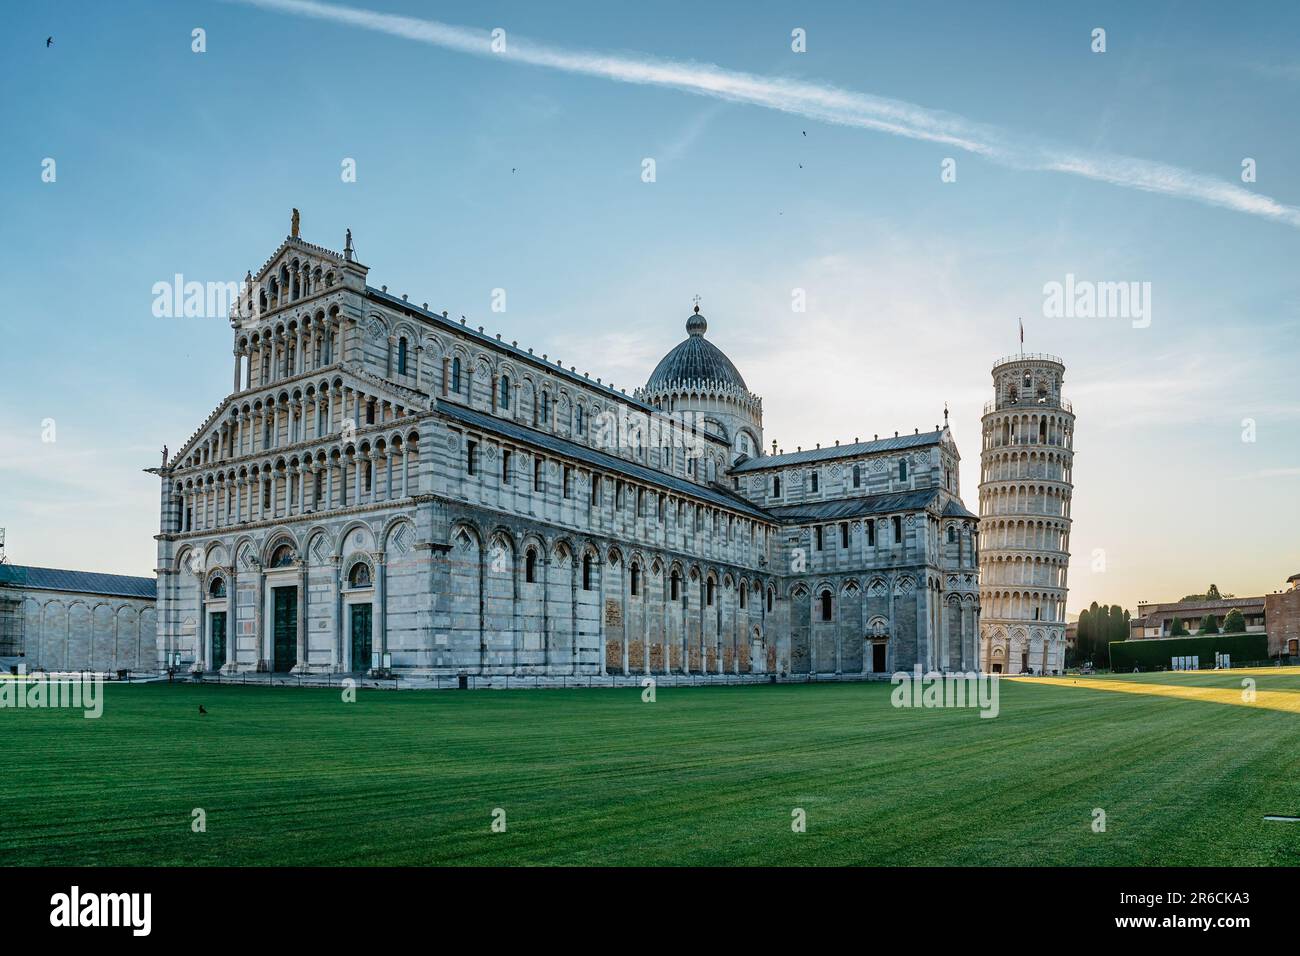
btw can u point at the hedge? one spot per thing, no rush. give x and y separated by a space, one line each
1158 652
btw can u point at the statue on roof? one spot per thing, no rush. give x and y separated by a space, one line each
294 225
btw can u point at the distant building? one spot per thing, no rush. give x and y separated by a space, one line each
57 620
1157 620
1282 612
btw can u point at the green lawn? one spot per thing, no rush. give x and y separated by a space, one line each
702 776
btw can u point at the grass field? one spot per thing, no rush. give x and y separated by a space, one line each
701 776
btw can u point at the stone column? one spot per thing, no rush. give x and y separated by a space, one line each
301 631
379 620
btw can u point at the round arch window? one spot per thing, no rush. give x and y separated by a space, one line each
359 576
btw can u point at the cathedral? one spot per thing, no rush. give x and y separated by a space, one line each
388 490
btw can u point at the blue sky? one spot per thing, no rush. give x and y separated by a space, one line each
169 161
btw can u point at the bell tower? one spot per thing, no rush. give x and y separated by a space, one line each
1026 487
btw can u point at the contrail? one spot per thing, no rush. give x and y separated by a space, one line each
817 101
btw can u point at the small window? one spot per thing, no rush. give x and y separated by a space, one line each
817 533
676 587
776 486
217 588
546 408
530 566
902 470
708 592
844 534
870 526
504 398
455 375
814 481
771 596
857 476
595 489
579 426
505 468
586 572
471 457
826 605
359 576
635 582
401 356
568 481
898 530
952 534
537 474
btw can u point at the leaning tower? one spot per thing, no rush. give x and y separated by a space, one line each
1026 483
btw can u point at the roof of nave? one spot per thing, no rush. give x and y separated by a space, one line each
84 582
830 452
525 355
863 505
602 461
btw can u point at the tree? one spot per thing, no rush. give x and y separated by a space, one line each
1208 626
1178 629
1211 594
1234 623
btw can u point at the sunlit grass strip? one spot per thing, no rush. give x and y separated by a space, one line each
1238 696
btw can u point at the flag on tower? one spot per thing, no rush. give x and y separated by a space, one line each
1022 331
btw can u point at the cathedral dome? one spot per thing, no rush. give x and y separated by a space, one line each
695 360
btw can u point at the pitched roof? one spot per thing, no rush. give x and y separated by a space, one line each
841 508
84 582
601 461
840 451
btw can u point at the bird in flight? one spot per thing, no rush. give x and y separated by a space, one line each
805 132
49 42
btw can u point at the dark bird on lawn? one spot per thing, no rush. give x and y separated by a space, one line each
49 42
202 709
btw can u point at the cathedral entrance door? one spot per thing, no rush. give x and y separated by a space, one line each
285 623
878 657
361 637
218 624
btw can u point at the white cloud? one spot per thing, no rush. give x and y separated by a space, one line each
817 101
